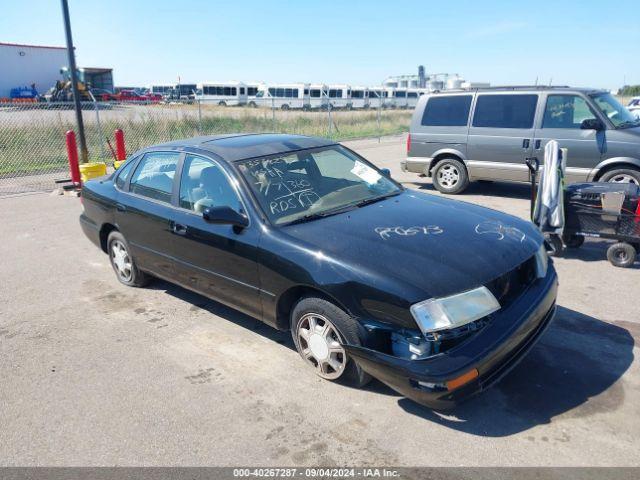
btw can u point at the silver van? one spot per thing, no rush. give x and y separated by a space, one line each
486 134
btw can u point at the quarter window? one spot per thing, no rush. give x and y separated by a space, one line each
154 176
204 184
124 174
449 111
505 111
565 111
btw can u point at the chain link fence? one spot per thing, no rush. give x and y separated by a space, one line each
32 135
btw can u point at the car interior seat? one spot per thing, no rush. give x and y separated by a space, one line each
217 190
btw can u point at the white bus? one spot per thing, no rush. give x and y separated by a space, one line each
318 95
161 89
282 95
359 97
340 96
400 99
377 97
222 93
413 94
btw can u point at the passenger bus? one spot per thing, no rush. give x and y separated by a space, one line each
377 97
163 90
413 94
340 96
222 93
360 97
284 96
318 95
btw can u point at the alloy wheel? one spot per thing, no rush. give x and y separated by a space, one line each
319 343
120 260
623 178
448 176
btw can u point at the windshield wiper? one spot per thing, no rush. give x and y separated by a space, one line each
368 201
327 213
629 124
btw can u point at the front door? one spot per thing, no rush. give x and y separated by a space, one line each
144 210
501 136
563 115
218 261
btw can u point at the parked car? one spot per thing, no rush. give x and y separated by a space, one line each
434 297
101 94
486 134
129 96
634 106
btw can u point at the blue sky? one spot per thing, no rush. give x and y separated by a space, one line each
581 43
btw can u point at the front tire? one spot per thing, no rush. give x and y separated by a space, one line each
622 175
318 328
450 176
122 262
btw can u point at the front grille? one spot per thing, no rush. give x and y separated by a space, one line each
509 286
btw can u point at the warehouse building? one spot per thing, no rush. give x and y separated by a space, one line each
26 65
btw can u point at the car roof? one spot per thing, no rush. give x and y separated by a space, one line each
521 89
241 146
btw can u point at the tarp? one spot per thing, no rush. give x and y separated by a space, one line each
549 208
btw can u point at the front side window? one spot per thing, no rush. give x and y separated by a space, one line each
619 115
313 182
204 184
505 111
566 111
154 176
450 111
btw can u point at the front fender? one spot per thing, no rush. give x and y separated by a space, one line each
620 162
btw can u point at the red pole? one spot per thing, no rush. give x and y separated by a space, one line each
121 152
72 154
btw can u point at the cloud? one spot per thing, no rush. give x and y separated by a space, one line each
495 29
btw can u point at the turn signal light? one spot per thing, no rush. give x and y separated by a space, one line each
462 379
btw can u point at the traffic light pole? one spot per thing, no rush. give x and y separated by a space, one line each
84 154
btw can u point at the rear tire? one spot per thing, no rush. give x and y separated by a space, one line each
450 176
122 262
284 107
621 254
622 175
554 245
312 316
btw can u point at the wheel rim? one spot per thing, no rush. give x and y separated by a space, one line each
120 260
623 178
319 343
621 256
448 176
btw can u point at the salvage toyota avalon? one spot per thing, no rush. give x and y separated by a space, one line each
434 297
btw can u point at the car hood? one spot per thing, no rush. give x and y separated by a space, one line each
436 245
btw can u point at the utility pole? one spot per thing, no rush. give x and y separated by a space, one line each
84 154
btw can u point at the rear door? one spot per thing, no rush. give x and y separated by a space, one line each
501 135
561 119
144 212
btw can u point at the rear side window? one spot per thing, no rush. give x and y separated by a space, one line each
154 176
505 111
450 111
124 174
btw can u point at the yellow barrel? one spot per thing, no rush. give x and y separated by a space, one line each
117 163
92 170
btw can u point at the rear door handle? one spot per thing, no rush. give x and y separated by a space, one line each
537 144
120 207
179 229
525 143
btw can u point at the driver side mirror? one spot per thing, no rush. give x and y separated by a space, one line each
591 124
386 172
225 216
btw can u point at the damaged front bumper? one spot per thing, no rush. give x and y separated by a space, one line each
446 379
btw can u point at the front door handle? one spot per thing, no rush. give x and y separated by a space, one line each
120 207
179 229
525 143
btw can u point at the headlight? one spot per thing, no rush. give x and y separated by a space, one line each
542 262
449 312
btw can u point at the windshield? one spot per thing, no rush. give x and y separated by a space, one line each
619 115
311 183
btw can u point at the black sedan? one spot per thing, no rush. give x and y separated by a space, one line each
434 297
